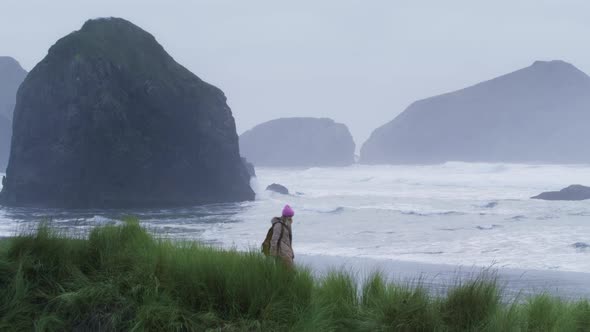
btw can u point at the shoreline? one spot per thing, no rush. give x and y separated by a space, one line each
122 277
438 278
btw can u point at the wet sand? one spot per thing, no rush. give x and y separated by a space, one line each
438 277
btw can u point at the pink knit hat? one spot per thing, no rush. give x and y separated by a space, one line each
288 211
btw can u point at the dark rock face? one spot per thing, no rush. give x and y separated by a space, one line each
278 188
574 192
109 119
11 76
298 142
537 114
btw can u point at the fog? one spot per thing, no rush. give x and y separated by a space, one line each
358 62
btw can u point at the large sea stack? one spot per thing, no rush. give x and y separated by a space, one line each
539 114
298 142
108 119
11 76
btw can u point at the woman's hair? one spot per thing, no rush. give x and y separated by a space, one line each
287 218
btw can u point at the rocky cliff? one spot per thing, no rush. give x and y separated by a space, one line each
536 114
5 134
298 142
11 76
109 119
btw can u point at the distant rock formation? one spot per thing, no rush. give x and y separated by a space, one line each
250 167
536 114
298 142
5 134
574 192
109 119
11 77
278 188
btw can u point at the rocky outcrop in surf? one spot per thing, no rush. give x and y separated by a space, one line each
298 142
109 119
581 245
11 77
278 188
536 114
574 192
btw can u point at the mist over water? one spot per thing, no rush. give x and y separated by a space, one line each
455 213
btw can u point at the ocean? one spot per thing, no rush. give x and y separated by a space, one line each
468 214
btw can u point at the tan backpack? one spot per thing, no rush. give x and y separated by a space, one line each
266 243
268 239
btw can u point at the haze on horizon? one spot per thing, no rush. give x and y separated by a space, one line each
358 62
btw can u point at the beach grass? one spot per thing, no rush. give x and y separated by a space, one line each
122 278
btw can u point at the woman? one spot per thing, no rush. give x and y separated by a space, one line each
281 240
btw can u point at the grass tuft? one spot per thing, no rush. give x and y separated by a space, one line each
471 305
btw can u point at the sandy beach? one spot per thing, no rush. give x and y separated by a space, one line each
438 277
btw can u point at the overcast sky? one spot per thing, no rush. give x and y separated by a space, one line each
358 62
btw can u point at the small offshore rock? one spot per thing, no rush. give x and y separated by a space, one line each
574 192
278 188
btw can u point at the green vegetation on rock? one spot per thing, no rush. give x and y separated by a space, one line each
121 278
